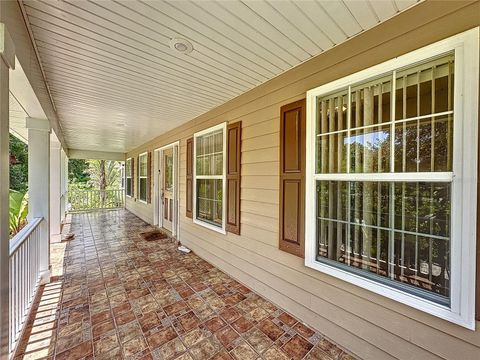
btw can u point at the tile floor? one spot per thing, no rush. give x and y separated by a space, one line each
120 297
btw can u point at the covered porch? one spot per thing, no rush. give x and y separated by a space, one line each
115 295
235 120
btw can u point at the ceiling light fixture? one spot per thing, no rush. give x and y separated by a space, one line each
181 45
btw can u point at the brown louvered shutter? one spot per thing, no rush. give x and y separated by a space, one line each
149 177
477 290
137 177
292 178
189 178
132 172
234 141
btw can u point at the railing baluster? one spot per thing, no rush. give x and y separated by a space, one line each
92 199
24 276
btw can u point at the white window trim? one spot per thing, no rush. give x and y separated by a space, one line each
464 185
222 126
128 177
142 177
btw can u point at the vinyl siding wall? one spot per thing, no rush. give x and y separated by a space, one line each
369 325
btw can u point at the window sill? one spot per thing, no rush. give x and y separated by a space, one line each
419 303
210 226
142 201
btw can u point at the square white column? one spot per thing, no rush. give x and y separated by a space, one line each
7 62
55 187
63 183
39 186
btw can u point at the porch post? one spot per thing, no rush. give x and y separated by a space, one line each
39 186
55 187
63 183
7 61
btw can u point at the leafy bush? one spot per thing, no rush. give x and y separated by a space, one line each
18 211
19 168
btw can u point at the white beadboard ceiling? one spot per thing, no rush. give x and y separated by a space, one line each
18 118
116 83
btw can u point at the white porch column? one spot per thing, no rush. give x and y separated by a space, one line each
55 187
39 186
7 61
63 183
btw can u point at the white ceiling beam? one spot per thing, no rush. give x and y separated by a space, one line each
95 155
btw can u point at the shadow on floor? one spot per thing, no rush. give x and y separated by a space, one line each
117 296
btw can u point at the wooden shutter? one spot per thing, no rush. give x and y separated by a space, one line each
149 177
477 290
189 179
292 178
132 173
137 177
234 141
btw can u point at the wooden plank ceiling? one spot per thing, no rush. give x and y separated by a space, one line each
18 117
116 83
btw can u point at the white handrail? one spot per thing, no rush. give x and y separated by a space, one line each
92 199
22 235
24 264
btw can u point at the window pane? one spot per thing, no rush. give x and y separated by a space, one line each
168 175
403 241
371 103
129 186
332 200
128 168
370 150
332 114
333 153
422 262
425 89
369 203
424 145
143 189
332 120
209 153
209 201
423 208
143 165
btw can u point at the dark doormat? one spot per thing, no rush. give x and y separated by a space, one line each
153 235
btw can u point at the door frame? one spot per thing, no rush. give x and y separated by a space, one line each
157 180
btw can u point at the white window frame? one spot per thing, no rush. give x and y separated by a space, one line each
142 177
464 179
128 177
222 126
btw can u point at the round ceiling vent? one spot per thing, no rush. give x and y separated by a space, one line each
181 45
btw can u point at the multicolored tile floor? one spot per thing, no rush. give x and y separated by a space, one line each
120 297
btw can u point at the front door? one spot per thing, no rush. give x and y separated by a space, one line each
168 193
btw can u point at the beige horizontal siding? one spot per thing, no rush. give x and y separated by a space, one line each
143 211
369 325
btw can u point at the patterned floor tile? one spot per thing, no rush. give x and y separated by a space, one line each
120 297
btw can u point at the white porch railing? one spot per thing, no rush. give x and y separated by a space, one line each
81 200
24 277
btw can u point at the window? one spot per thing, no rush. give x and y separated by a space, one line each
391 162
128 177
209 177
142 177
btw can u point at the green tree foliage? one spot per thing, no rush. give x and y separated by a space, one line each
104 174
18 211
18 165
77 172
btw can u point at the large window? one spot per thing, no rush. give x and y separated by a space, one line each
392 169
128 177
209 182
142 177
